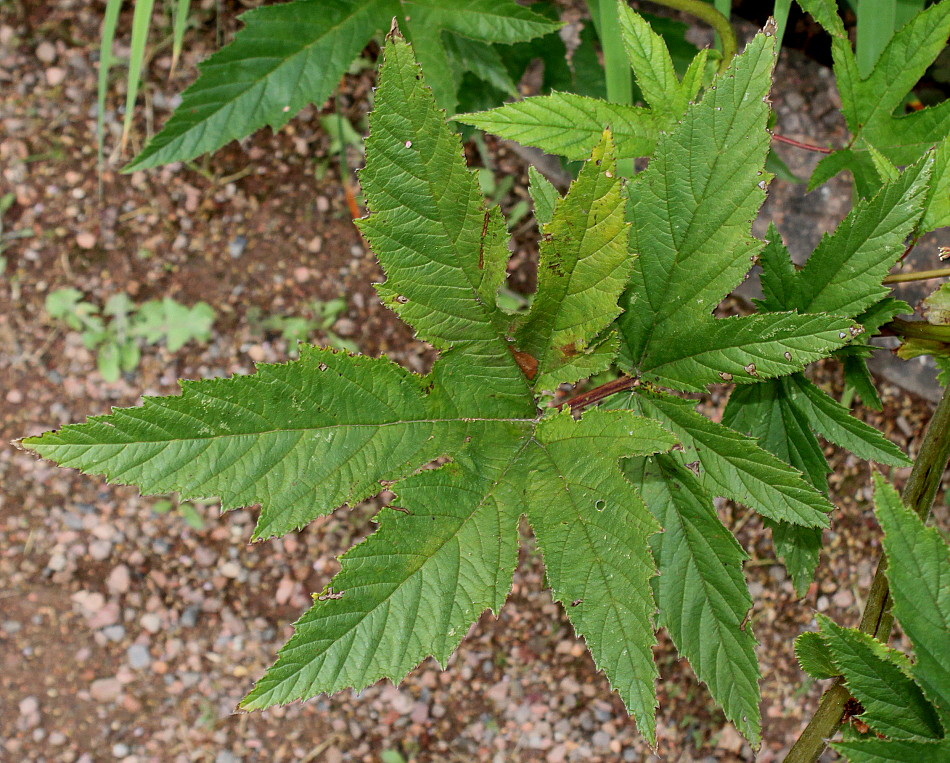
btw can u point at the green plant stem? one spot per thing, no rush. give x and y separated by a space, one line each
715 19
918 330
919 275
877 619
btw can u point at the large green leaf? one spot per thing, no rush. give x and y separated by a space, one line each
592 529
501 21
413 588
735 467
692 208
844 274
285 57
877 677
304 437
743 349
833 422
897 751
292 54
701 594
766 412
570 124
278 438
919 574
783 414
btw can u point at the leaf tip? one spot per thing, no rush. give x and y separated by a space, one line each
394 33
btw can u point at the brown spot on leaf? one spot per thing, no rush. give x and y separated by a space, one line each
527 363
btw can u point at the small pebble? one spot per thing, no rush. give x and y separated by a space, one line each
230 569
189 618
114 632
119 580
100 550
138 656
11 627
105 689
86 240
237 246
56 76
843 599
46 52
151 622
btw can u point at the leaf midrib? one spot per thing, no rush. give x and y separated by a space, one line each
262 433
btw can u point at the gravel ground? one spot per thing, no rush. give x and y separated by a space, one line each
128 635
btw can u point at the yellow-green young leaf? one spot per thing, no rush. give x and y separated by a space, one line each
653 66
291 54
543 194
569 124
702 597
896 751
814 657
649 58
583 268
877 677
692 208
733 465
918 570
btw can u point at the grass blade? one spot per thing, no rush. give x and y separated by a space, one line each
141 21
178 34
877 20
109 23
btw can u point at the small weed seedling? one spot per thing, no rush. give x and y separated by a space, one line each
117 332
296 329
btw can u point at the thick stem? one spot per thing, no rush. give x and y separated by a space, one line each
918 275
917 330
877 619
